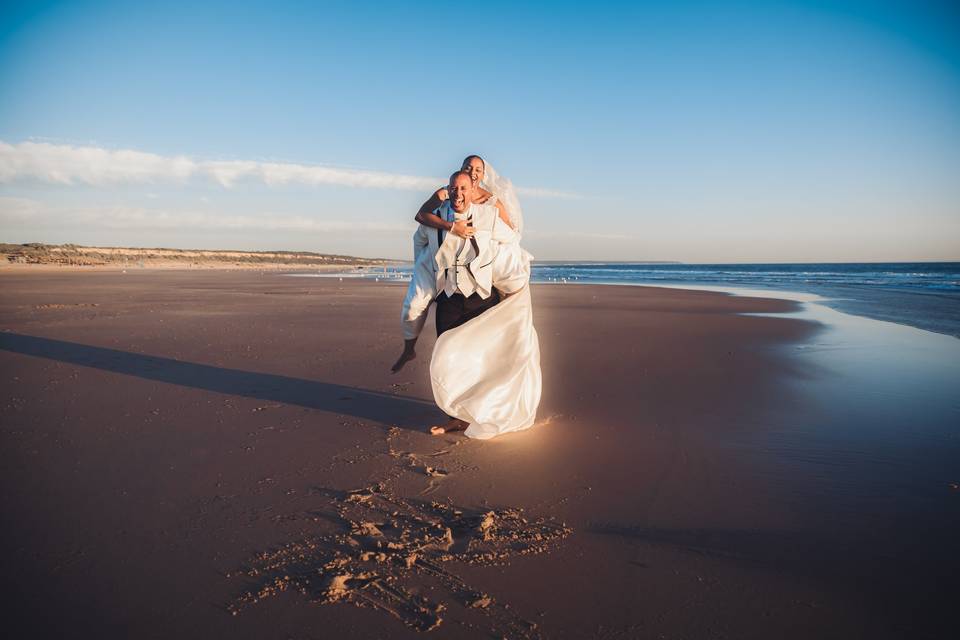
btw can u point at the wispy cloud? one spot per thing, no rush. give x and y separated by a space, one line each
19 209
535 192
576 235
15 211
95 166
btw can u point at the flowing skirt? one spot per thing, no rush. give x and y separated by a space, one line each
487 371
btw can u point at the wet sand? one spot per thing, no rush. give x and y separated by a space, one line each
225 454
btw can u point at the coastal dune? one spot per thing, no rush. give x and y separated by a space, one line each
13 256
197 454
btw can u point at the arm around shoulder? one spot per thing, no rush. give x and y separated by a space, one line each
426 215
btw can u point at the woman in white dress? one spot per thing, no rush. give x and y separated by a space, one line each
511 269
485 373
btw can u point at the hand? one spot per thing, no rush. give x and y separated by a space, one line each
461 228
443 195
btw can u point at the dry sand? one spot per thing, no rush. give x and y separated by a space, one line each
209 454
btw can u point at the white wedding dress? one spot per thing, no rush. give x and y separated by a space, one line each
487 371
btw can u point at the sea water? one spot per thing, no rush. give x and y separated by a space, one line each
925 295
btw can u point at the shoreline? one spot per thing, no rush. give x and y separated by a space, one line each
711 455
928 311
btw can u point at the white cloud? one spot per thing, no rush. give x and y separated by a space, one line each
17 211
576 235
535 192
94 166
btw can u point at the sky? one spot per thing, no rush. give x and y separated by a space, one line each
689 131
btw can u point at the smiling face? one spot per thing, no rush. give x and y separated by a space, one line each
460 191
474 166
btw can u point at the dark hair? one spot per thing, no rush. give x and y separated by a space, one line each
469 158
453 176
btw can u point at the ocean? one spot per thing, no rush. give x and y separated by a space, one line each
925 295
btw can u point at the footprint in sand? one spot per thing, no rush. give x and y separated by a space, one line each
435 476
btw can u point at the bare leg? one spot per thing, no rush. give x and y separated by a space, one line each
405 357
453 425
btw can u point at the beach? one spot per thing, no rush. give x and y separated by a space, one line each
703 466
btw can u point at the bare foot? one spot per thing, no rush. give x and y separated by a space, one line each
453 425
405 357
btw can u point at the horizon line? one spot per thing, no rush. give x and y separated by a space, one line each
545 261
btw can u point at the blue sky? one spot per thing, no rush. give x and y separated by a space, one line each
731 132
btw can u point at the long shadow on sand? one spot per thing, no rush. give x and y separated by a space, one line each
381 407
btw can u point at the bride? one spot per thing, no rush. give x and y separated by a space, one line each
485 373
511 267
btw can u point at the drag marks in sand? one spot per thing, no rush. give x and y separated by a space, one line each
393 549
394 554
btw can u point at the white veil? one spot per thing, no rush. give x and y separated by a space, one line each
501 187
